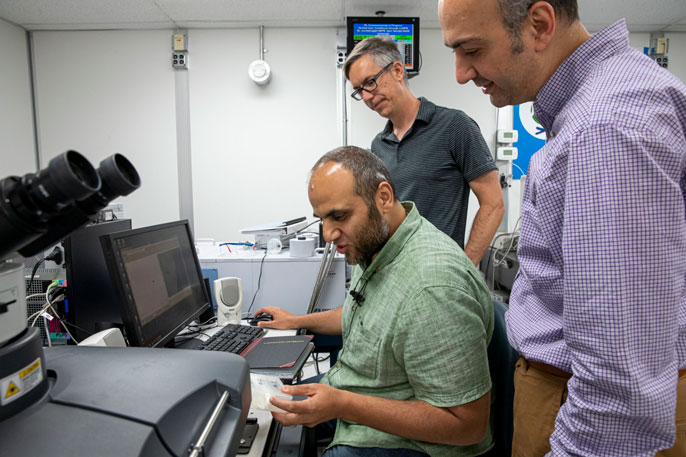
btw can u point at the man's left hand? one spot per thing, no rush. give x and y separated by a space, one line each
323 403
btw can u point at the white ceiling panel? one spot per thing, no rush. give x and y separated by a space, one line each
426 10
79 14
247 23
255 10
641 15
129 25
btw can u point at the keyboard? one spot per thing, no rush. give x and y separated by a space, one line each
232 338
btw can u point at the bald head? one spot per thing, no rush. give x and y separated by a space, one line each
330 183
352 192
366 170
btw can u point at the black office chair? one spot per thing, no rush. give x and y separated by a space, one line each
330 344
501 361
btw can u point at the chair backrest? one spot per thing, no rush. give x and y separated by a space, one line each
501 360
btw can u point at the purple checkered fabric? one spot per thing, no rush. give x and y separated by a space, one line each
601 290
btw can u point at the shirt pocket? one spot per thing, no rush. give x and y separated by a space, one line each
362 351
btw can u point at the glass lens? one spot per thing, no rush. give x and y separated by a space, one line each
370 85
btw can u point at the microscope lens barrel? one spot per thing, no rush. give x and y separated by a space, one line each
30 203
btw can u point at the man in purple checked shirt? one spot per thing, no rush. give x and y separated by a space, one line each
598 310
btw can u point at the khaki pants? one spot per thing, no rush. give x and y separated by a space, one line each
538 398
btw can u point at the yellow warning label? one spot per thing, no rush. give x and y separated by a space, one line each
30 369
21 382
12 389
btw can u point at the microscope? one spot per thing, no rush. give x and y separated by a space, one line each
105 401
36 211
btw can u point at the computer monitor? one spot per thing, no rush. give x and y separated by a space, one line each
404 31
91 303
157 277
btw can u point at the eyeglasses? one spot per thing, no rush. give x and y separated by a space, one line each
369 85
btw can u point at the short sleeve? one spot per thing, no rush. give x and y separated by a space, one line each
468 147
442 343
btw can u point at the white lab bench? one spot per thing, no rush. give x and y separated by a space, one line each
286 281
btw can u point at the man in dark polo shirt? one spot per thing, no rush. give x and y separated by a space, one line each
434 154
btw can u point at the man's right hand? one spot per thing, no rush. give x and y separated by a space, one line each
282 319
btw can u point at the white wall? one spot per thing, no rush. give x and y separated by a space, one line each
677 54
112 91
254 145
17 150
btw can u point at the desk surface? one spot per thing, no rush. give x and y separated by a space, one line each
265 422
268 428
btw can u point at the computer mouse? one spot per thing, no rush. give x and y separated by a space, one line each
264 317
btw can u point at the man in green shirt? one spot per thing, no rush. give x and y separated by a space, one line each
412 377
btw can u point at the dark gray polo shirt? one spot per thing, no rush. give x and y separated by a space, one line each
434 162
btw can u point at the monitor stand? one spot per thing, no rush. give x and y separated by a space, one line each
190 343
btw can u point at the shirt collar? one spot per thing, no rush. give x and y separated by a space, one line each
572 73
426 112
396 242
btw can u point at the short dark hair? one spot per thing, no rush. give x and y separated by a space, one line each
367 169
381 50
513 13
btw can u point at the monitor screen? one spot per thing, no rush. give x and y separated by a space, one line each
91 303
404 31
157 277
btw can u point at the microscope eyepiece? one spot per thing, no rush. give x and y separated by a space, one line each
42 208
68 177
119 177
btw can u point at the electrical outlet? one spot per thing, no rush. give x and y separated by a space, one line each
662 61
179 60
340 57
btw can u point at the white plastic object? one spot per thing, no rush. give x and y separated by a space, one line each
260 72
110 337
274 246
506 153
263 387
507 136
228 295
302 247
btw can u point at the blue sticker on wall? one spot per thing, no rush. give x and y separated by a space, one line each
531 137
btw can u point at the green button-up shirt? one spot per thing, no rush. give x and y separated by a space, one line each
421 333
